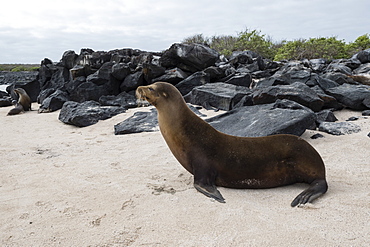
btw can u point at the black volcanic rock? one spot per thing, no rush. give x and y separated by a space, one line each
189 57
263 120
86 113
298 92
219 95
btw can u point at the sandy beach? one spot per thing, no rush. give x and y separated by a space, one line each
62 185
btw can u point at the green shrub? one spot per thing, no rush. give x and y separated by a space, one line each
360 44
329 48
255 41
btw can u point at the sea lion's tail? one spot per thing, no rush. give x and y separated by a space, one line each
316 189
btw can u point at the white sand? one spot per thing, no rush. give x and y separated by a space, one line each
66 186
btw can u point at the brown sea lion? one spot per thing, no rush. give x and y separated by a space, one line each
24 99
215 158
16 110
361 78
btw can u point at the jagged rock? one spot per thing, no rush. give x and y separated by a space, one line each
88 91
240 57
151 71
340 68
352 96
363 56
263 120
44 94
54 101
59 77
325 116
123 100
81 70
196 79
338 78
363 69
5 101
86 113
215 72
240 79
103 77
172 76
298 92
339 128
139 122
68 59
366 113
143 122
219 95
132 81
120 71
189 57
352 63
318 65
325 83
276 79
329 101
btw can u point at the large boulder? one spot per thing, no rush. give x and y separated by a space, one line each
276 79
240 79
139 122
124 100
87 113
54 101
297 92
196 79
172 76
189 57
352 96
282 117
132 81
219 95
143 122
86 91
363 56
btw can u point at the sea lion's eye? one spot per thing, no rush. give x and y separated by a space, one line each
151 89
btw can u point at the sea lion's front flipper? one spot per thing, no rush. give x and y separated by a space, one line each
210 191
316 189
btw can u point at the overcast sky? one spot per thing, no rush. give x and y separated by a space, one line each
33 30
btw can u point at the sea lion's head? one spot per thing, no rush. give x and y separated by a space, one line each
157 93
20 91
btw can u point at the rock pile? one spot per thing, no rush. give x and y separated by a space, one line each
256 92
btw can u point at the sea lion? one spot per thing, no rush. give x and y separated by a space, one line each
361 78
215 158
16 110
24 99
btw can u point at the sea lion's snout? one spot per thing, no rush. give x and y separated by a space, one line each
143 96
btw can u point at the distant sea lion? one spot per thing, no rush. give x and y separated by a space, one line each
16 110
361 78
24 99
215 158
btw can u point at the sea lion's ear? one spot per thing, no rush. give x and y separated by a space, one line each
164 94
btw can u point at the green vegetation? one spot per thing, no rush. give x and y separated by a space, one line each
254 40
19 67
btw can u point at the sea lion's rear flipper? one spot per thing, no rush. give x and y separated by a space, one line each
210 191
316 189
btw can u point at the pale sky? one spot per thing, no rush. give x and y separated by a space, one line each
33 30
